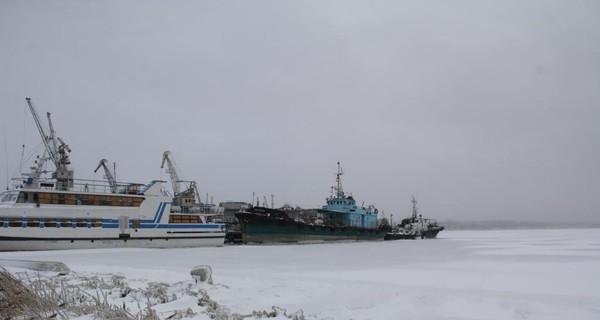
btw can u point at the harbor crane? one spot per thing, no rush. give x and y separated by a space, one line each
57 151
183 198
112 181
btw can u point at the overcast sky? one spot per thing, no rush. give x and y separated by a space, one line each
481 109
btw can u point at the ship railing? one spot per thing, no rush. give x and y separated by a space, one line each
148 186
89 186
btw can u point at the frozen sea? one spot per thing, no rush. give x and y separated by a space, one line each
499 274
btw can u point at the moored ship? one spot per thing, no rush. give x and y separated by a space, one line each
64 213
415 226
340 219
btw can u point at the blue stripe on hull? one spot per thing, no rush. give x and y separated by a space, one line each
153 223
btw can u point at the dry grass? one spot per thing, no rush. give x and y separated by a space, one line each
18 301
40 297
49 299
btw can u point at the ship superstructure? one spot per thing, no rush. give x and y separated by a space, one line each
342 209
62 212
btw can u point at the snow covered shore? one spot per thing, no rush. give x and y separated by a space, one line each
500 274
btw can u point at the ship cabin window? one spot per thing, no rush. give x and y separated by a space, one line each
33 222
15 222
184 218
50 223
85 199
28 197
9 197
37 222
65 222
81 223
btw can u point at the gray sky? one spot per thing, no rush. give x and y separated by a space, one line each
481 109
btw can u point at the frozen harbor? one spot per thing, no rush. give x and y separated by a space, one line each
501 274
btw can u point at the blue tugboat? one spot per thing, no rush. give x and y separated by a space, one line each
338 220
342 209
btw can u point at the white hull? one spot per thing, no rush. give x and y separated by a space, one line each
30 227
35 245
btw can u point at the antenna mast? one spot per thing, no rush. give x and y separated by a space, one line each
340 172
414 208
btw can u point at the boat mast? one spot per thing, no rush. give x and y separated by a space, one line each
414 209
339 190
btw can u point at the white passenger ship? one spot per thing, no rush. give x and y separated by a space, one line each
64 213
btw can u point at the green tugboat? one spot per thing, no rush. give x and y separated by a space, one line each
339 220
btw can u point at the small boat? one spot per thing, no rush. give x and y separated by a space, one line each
400 234
415 227
65 213
340 219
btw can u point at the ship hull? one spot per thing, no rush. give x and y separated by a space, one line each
430 234
257 228
399 236
426 234
32 227
36 244
109 235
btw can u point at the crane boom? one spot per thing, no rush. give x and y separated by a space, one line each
172 171
56 152
45 137
112 182
185 193
52 135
